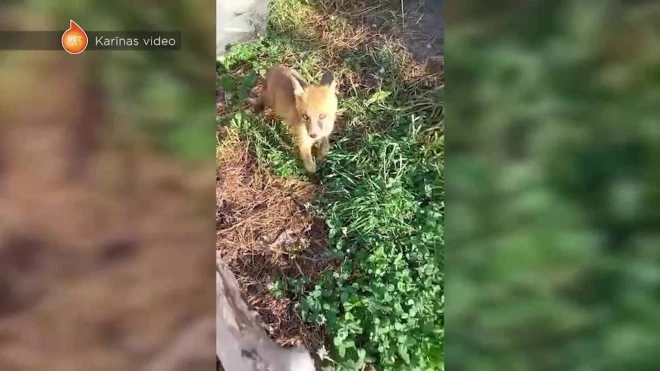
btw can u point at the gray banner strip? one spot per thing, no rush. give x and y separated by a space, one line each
97 40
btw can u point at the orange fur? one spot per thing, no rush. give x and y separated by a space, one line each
309 109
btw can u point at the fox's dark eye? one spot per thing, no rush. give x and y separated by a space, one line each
305 117
321 117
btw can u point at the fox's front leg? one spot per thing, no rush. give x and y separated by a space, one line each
323 148
305 149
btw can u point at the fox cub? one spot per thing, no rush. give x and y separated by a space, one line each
309 109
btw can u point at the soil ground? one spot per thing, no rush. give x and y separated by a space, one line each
257 215
417 24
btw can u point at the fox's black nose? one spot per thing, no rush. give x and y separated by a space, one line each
312 135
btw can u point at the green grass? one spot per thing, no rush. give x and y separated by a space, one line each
382 195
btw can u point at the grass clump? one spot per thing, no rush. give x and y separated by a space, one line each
382 187
384 212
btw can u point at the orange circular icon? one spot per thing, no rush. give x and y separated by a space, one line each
74 40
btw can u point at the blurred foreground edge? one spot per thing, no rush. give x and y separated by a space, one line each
241 343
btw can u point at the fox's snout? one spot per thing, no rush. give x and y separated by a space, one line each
314 130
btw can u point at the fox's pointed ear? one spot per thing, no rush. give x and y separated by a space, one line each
298 88
328 79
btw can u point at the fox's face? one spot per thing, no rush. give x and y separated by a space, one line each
317 105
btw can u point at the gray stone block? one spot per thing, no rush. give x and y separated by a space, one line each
238 21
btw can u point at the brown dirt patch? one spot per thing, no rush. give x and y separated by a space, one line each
264 232
417 24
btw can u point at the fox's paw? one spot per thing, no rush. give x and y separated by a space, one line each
310 167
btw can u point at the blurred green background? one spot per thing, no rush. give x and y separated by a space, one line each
162 97
553 245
